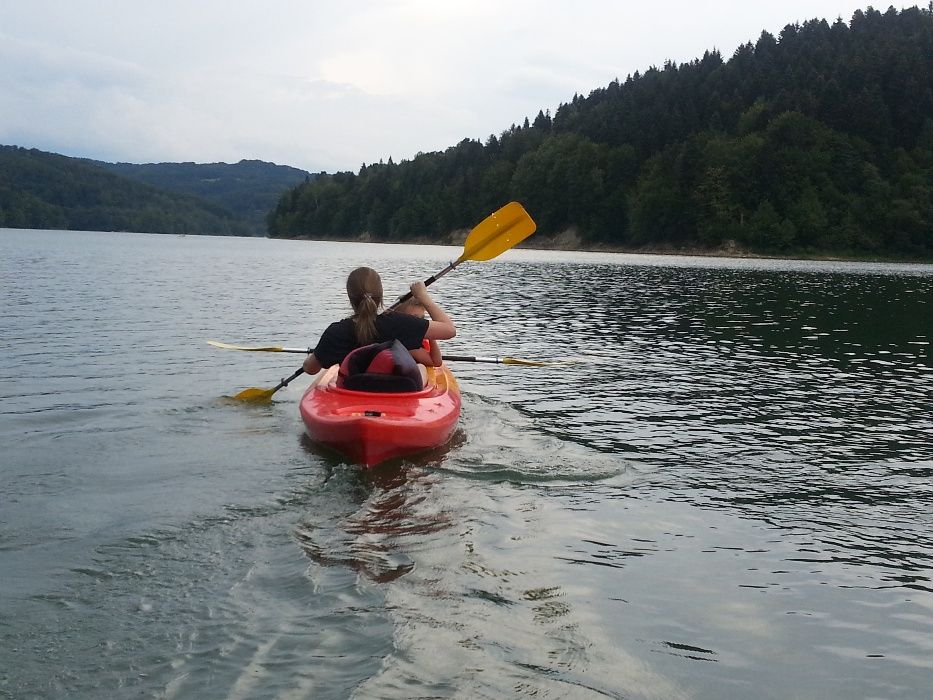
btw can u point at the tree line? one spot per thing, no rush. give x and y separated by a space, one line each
51 191
48 190
818 140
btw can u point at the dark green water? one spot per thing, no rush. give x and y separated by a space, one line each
731 498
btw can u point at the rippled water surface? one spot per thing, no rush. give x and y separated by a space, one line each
729 496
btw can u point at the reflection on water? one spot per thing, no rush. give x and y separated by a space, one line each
729 497
396 507
793 396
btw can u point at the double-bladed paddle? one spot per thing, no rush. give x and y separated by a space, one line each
497 233
447 358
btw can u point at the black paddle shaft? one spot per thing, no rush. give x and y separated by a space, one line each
427 283
284 382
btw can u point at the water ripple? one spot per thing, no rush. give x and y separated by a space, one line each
728 496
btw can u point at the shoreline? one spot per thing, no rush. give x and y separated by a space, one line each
570 242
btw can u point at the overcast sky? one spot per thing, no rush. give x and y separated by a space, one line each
332 85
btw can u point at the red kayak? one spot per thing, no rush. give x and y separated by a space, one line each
372 427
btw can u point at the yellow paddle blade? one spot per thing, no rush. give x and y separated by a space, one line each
253 348
498 232
255 395
527 363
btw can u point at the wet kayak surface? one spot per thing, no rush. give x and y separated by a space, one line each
728 497
371 428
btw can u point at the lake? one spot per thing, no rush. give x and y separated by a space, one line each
729 495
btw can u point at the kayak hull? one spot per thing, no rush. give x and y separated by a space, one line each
370 428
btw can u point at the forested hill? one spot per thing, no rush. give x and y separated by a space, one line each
249 189
47 190
819 139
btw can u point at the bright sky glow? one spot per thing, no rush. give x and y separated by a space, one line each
330 86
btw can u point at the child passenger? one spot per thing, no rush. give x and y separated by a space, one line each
429 354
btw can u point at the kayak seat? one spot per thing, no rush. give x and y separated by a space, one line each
382 363
382 368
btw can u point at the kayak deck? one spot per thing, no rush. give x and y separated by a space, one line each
370 427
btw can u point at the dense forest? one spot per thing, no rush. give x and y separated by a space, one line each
818 140
47 190
248 189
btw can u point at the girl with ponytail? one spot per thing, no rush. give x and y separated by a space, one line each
364 289
367 325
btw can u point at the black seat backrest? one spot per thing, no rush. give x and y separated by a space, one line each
381 383
405 376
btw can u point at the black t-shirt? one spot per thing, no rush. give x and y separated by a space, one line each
340 337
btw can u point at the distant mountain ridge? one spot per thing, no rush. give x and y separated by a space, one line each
39 189
249 189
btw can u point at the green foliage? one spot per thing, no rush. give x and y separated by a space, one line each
248 189
563 181
818 139
45 190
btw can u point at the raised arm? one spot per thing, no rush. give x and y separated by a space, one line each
440 327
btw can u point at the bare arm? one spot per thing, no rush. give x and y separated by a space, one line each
436 358
440 327
422 357
311 365
428 359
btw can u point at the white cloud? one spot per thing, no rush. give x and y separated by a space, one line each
324 86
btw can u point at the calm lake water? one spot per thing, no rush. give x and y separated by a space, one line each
731 497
